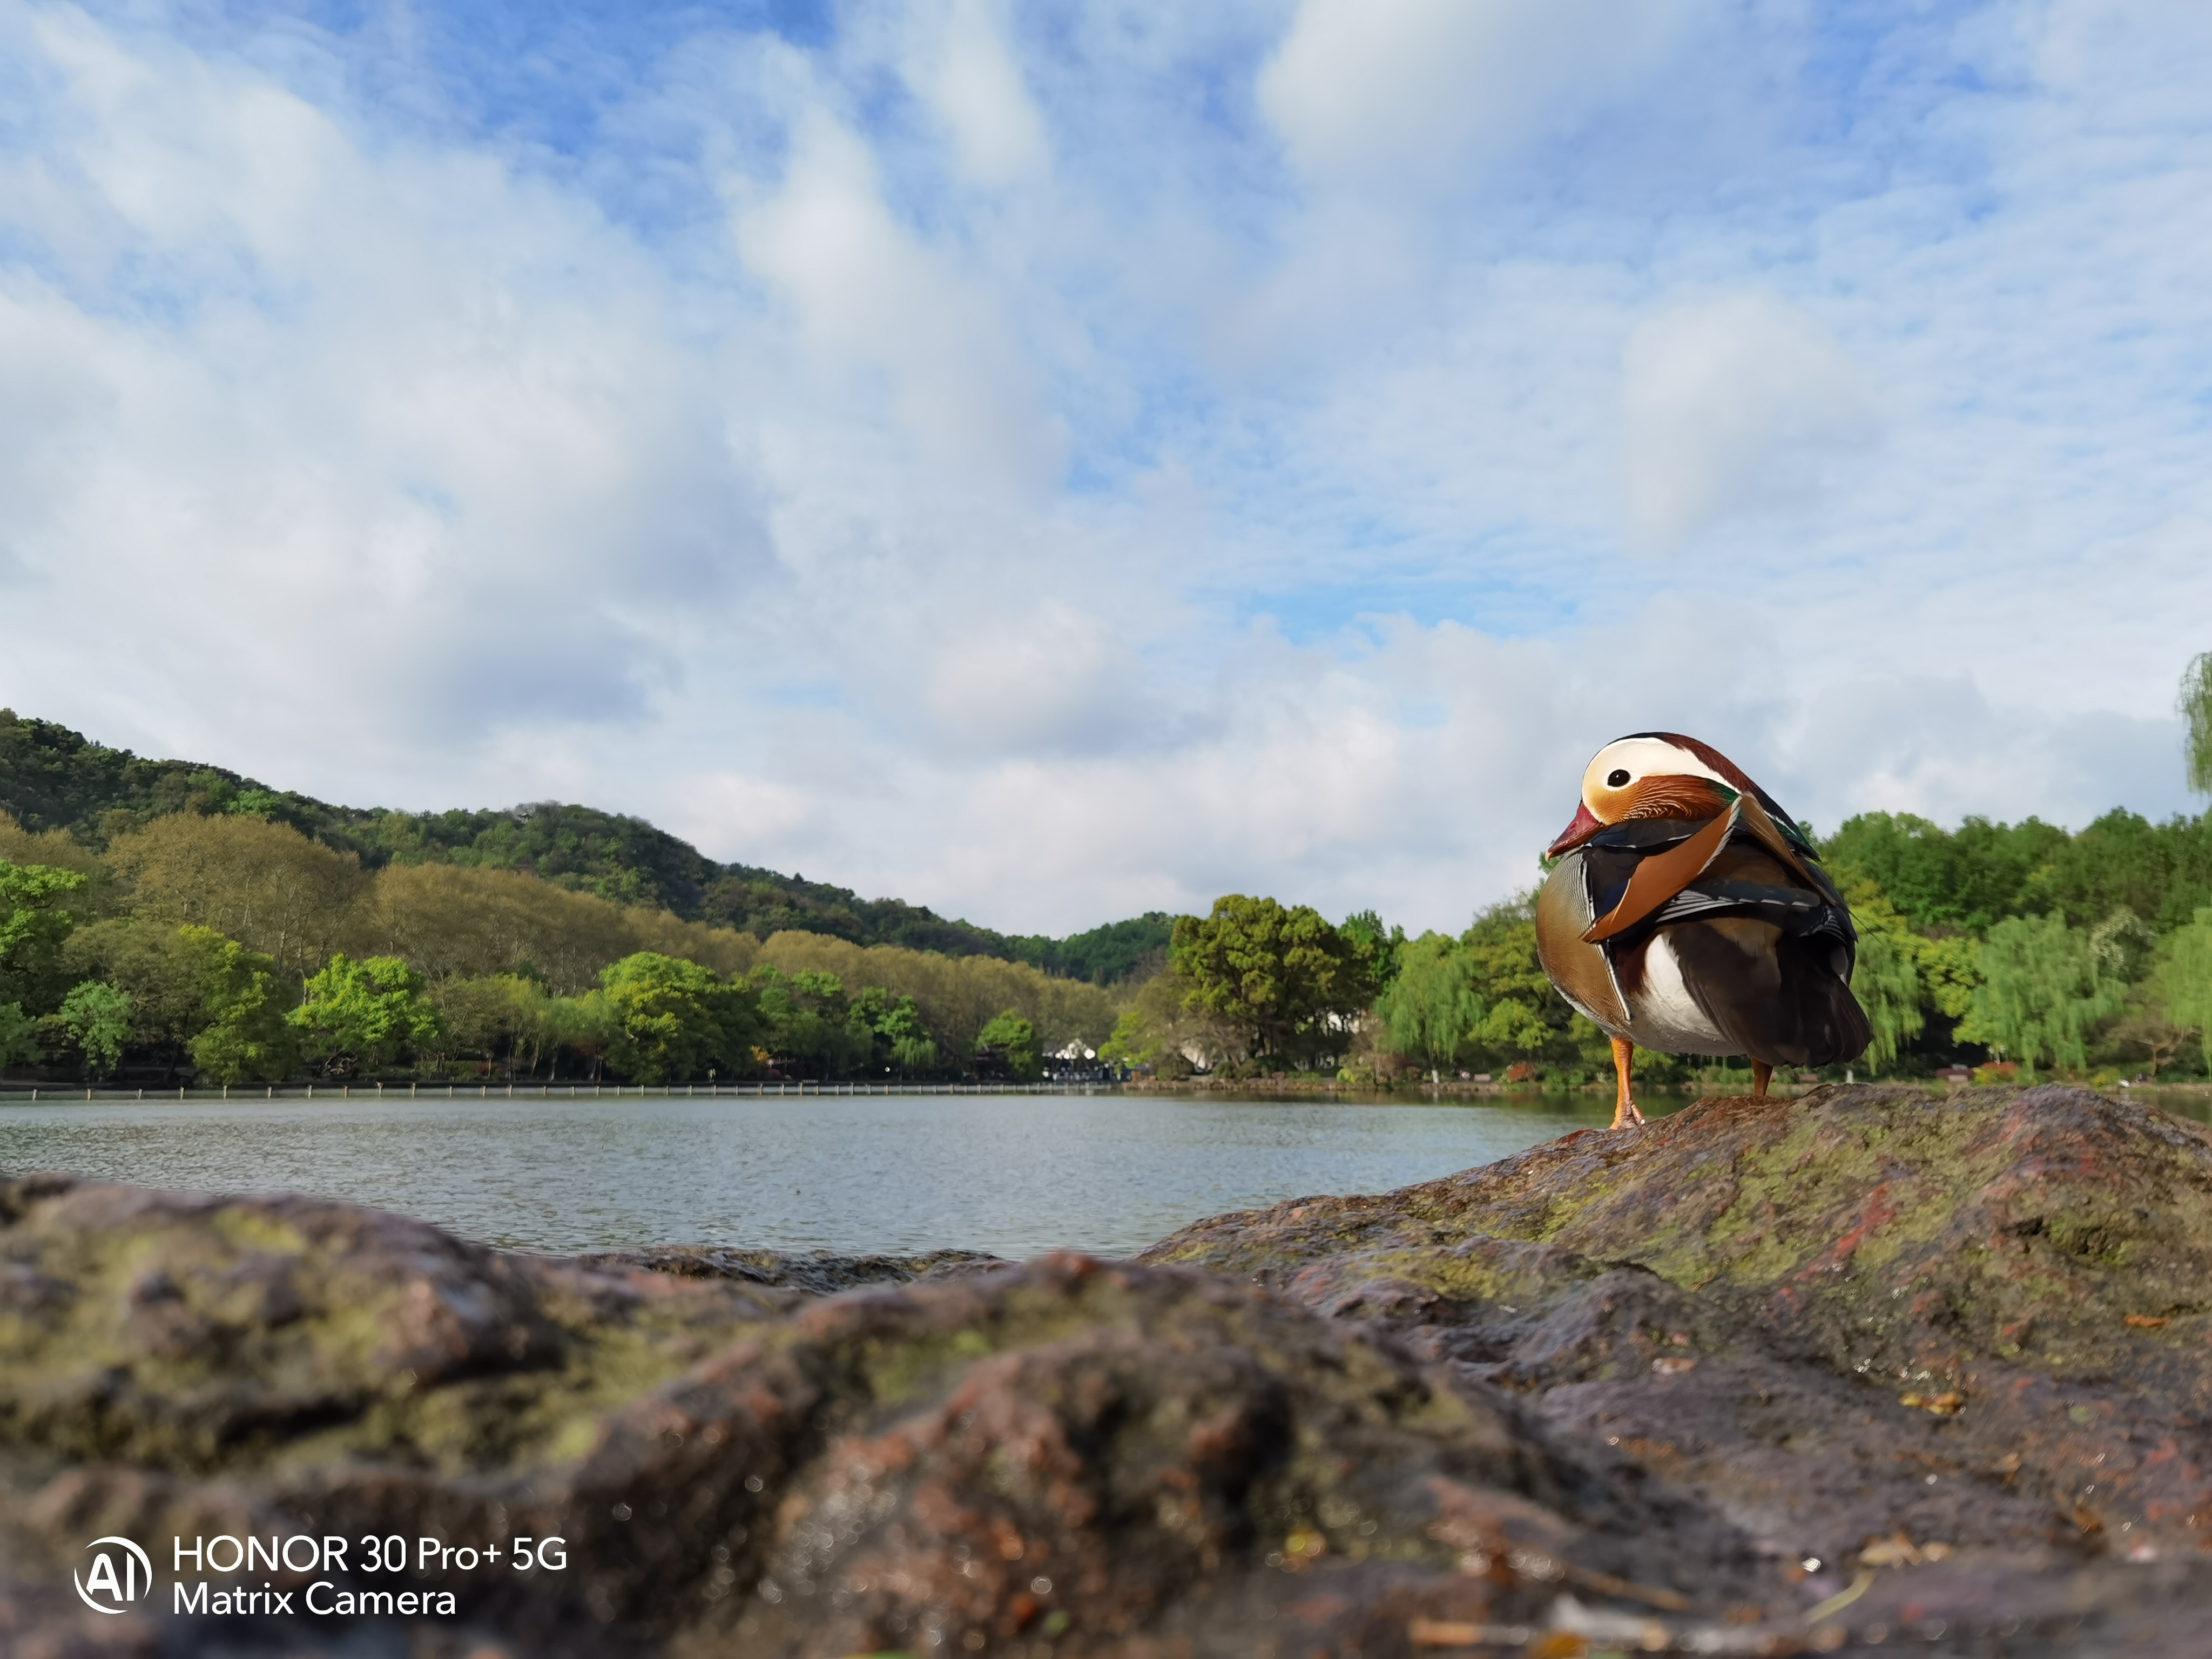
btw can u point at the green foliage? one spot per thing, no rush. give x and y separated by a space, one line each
674 1019
361 1017
1133 1042
498 1016
247 1035
2183 979
898 1040
96 1019
1885 979
1160 1032
807 1023
584 1025
1288 983
2124 944
1982 872
37 911
1377 949
2043 990
1011 1041
19 1037
2195 703
1433 1006
1950 969
1104 956
1524 1018
1967 878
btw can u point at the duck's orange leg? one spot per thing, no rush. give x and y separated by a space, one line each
1761 1075
1624 1114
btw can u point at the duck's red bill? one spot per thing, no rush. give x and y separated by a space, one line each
1584 826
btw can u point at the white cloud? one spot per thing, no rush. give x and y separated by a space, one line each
1422 89
963 67
1007 493
870 295
1731 405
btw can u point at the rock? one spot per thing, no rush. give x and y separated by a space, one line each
1624 1387
817 1272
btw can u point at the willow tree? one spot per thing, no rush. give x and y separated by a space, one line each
1433 1006
2184 980
2043 989
2195 706
1885 979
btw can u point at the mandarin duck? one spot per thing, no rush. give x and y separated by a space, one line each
1688 913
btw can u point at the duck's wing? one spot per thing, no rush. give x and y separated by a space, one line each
1768 957
1581 971
1640 866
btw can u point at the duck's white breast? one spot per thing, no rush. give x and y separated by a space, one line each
1663 1015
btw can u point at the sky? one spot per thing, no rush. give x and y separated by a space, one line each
1050 461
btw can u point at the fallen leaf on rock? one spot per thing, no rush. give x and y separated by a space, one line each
1943 1405
2146 1321
1894 1551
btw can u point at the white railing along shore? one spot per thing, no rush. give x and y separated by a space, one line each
16 1094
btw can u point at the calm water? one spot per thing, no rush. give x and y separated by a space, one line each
1011 1174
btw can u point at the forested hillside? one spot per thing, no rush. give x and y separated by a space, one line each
53 778
178 919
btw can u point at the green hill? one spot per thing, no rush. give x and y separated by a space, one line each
53 778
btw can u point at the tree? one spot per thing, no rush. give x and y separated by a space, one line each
501 1015
1432 1007
1967 878
2043 988
585 1025
1378 950
897 1039
1886 977
265 885
673 1019
362 1016
807 1022
248 1036
1525 1018
38 909
1283 978
1160 1030
1010 1042
97 1018
2183 979
19 1037
2195 706
192 992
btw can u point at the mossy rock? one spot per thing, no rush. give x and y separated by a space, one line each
1627 1385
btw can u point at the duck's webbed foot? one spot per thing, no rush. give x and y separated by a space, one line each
1624 1114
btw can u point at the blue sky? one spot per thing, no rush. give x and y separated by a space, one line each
1051 461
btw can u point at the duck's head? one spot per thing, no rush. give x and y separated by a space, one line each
1653 774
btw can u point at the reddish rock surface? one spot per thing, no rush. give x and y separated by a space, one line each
1683 1388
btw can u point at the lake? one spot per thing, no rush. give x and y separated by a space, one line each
1013 1175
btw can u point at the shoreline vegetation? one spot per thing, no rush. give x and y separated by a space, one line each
166 926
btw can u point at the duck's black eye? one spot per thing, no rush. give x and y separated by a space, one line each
1616 778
